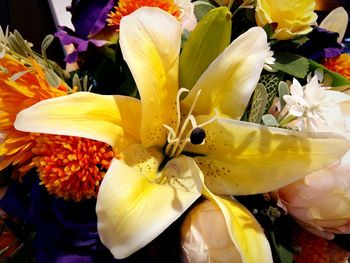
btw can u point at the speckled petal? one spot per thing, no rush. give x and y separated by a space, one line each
242 158
132 210
150 42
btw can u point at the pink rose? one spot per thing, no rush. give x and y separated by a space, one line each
321 201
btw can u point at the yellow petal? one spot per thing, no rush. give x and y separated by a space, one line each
231 78
114 120
132 210
245 232
336 21
150 43
242 158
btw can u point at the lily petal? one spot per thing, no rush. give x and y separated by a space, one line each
245 232
114 120
150 42
336 21
240 158
232 77
132 210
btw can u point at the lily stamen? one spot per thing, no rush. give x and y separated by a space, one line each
176 139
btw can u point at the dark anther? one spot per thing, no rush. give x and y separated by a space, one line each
197 136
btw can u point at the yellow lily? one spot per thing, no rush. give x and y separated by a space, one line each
167 147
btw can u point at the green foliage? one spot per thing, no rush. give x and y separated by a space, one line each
201 8
294 65
337 80
284 255
283 89
270 80
270 120
210 37
259 102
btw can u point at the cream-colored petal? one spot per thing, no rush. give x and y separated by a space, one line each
132 210
114 120
245 231
231 78
150 42
336 21
242 158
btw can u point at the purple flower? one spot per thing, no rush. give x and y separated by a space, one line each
89 19
322 44
66 231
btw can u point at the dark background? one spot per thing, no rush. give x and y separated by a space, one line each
33 19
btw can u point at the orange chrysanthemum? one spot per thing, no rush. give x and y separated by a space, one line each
126 7
315 249
340 64
71 167
16 95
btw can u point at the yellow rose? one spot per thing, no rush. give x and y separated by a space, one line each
294 17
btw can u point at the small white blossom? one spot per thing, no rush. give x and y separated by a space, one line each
315 107
270 60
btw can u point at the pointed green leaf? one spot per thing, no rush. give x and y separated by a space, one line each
270 120
76 82
201 8
17 75
45 44
270 80
283 89
210 37
258 104
52 78
291 64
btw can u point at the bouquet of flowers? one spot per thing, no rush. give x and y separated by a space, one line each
179 132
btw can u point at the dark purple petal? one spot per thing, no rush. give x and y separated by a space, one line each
322 44
101 21
332 52
80 45
86 13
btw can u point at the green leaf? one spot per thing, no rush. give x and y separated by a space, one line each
201 8
209 38
76 82
17 75
259 102
283 253
52 78
283 89
45 44
291 64
269 120
270 80
338 79
299 41
270 29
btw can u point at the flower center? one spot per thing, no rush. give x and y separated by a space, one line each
71 167
126 7
182 134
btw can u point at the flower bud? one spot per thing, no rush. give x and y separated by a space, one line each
321 201
204 236
209 38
